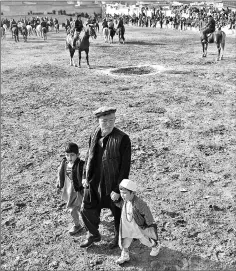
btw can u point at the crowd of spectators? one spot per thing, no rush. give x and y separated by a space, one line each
182 17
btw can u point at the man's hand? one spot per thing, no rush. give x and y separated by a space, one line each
114 196
85 183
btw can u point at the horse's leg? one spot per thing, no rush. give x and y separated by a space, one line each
219 49
203 49
87 57
72 52
206 46
222 45
79 58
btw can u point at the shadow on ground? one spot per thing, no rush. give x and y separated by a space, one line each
144 43
166 260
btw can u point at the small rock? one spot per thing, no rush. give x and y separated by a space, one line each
9 221
20 204
215 208
54 264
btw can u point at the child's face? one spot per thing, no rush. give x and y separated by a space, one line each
71 157
126 194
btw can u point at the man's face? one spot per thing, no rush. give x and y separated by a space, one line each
107 123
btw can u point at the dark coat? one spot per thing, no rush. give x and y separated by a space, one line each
115 163
77 171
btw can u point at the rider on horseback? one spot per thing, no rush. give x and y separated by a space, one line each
104 23
78 29
13 24
78 24
120 23
209 28
111 24
44 23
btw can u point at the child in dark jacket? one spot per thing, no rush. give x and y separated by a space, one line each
136 222
70 181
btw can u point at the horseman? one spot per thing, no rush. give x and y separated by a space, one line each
78 28
89 21
209 28
104 23
78 24
55 21
13 24
111 24
44 25
120 23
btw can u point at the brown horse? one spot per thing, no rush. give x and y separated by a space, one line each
15 33
81 42
120 32
217 37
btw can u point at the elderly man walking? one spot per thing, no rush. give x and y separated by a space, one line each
107 164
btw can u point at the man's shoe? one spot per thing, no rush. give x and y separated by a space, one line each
155 249
75 229
91 240
123 258
113 243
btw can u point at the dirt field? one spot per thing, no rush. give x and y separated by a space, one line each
179 110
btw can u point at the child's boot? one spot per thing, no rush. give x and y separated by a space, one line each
124 257
155 248
75 229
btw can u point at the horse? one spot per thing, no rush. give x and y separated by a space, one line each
81 44
39 30
44 33
3 33
105 32
15 33
97 27
24 33
217 37
5 27
112 33
56 27
108 34
120 32
29 29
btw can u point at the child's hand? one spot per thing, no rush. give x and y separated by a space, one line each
85 183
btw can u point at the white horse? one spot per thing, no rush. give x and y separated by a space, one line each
29 29
39 31
105 32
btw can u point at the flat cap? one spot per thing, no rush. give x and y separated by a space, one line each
103 111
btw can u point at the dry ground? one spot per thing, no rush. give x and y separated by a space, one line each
182 125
